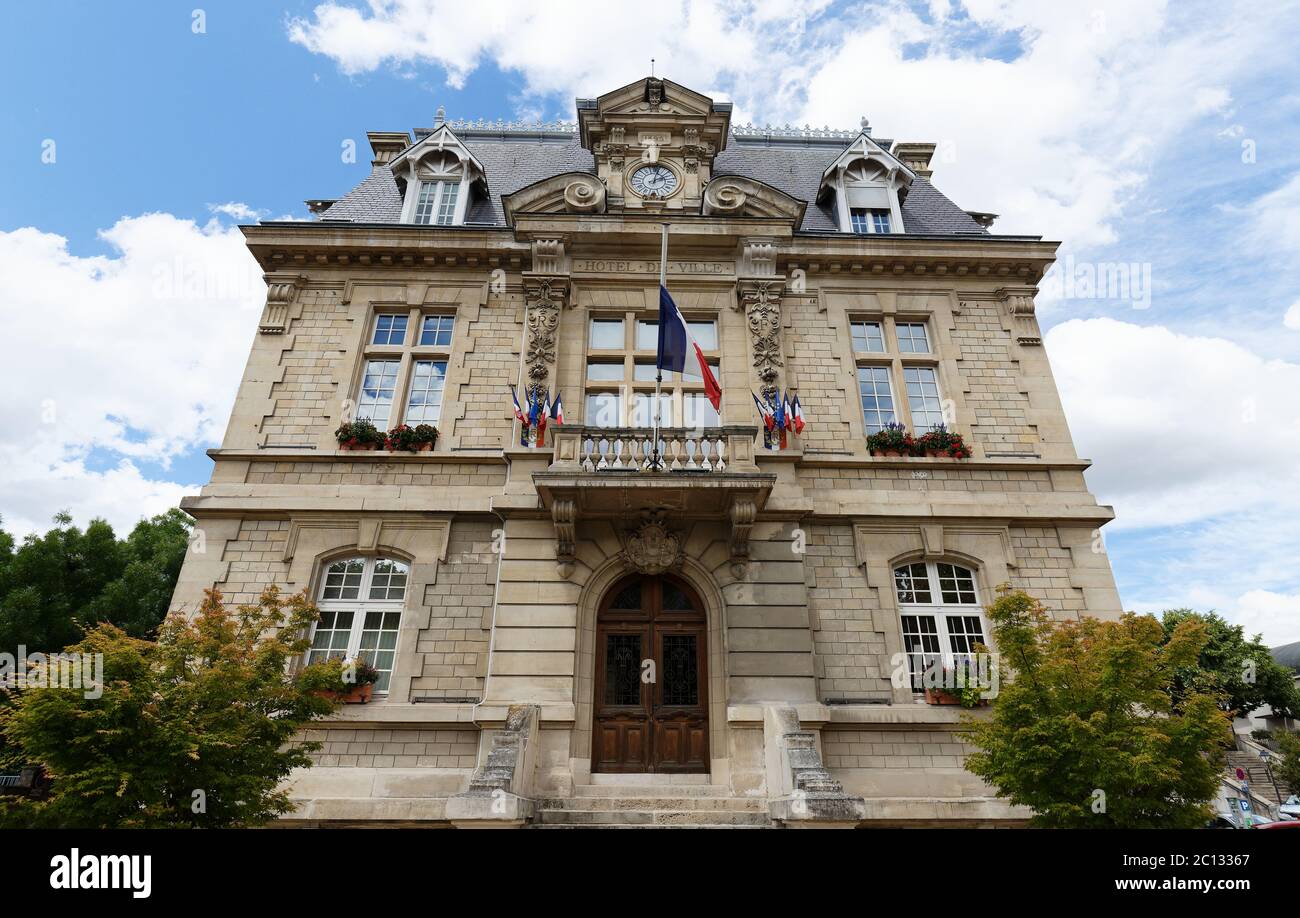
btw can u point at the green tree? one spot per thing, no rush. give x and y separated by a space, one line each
1087 731
53 587
1287 769
193 730
1240 670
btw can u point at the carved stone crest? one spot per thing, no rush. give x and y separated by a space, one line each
542 323
652 549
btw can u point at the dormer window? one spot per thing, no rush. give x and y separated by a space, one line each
867 186
436 177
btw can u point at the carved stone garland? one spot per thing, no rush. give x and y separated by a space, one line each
762 303
543 322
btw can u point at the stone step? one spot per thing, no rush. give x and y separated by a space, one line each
650 778
656 804
651 790
648 818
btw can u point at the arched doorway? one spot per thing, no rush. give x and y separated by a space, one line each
651 680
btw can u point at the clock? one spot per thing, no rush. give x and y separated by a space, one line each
654 181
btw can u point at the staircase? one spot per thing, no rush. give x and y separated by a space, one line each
652 802
1256 773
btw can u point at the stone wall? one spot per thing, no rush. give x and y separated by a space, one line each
383 747
306 396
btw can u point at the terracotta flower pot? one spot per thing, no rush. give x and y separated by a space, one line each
889 452
424 448
359 695
939 696
937 453
349 446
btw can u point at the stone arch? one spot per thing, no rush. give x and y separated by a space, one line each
601 579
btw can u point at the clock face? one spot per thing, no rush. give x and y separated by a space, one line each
654 181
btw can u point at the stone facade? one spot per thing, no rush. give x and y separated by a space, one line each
511 550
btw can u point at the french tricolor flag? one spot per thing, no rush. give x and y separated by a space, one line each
678 350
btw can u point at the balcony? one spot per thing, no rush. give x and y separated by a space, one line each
612 474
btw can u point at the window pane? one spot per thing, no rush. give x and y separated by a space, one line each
912 338
964 632
607 333
923 395
376 634
867 338
424 203
602 370
343 579
912 584
643 410
604 409
427 380
389 329
858 220
877 397
387 583
647 335
705 334
447 206
699 411
436 331
956 584
646 371
375 401
880 221
921 644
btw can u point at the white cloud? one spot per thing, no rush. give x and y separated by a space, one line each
1056 140
128 357
1181 428
1292 317
236 210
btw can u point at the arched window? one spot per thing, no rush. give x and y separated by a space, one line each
360 604
941 615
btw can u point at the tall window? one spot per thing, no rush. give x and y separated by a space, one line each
898 377
403 383
436 203
361 613
941 617
621 351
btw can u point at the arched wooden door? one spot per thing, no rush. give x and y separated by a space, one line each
651 705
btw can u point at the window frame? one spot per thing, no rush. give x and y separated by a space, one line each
359 607
898 363
407 355
677 389
939 612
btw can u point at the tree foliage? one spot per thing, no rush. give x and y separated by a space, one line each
1240 670
1088 730
1287 769
193 730
53 587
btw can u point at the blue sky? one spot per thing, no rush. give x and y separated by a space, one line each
1161 138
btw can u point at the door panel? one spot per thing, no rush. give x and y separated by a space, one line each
651 718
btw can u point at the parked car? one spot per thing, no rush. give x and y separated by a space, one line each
1280 824
1291 806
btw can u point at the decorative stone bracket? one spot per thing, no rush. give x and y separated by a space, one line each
281 290
801 792
1019 305
500 792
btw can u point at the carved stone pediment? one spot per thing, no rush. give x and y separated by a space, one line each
738 196
567 193
652 549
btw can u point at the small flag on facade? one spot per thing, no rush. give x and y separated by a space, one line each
678 350
525 420
798 415
779 416
543 413
557 410
519 414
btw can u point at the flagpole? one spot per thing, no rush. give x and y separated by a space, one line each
659 370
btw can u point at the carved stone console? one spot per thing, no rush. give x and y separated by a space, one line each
1019 305
281 291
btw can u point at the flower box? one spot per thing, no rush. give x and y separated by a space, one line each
939 696
358 695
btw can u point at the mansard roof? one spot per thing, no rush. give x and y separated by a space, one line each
514 156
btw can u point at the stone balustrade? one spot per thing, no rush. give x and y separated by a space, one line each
708 450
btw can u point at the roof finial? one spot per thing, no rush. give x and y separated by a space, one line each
652 66
866 126
440 117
